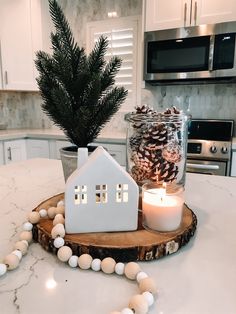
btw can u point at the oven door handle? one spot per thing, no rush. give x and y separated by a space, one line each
205 167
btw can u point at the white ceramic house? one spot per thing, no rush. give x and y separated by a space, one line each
100 195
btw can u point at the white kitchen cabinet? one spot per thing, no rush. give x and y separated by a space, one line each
233 164
14 150
20 35
166 14
37 148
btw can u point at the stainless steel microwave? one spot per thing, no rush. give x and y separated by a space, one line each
183 55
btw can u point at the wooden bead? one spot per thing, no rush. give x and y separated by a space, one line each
85 261
51 212
108 265
138 304
127 311
96 264
59 219
26 242
73 261
12 261
60 210
18 253
58 231
34 217
26 235
64 253
119 268
131 270
115 312
21 246
141 275
27 226
149 297
43 213
58 242
148 284
3 269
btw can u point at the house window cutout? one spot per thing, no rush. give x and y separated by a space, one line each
81 194
122 194
101 193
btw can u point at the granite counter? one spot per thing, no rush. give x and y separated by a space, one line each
199 278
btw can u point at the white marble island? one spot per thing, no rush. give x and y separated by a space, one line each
200 278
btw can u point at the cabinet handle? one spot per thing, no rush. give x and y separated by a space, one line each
113 154
195 12
6 77
9 154
185 13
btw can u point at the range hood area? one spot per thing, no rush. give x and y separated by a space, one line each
199 54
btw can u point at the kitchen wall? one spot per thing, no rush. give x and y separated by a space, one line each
23 110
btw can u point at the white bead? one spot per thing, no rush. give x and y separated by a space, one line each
149 297
27 226
127 311
73 261
141 275
3 269
64 253
60 203
119 268
58 230
18 253
58 242
34 217
96 264
43 213
59 219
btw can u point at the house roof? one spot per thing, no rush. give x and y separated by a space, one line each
100 155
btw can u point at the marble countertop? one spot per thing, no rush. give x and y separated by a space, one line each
199 278
57 134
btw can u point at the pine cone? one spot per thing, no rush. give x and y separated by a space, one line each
135 141
172 152
143 159
172 110
164 171
139 175
157 136
144 109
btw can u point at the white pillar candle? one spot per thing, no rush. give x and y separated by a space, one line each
161 211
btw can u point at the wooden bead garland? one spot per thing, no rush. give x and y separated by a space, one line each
138 304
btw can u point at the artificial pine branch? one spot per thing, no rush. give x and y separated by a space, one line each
77 90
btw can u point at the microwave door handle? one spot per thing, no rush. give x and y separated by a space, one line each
211 53
205 167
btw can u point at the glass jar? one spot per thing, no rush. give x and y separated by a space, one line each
157 146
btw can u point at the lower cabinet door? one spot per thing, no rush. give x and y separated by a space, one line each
37 149
14 151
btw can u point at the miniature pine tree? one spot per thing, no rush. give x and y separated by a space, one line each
78 91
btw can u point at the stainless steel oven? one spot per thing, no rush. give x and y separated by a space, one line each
209 146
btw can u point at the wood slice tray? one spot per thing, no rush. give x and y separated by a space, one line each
142 244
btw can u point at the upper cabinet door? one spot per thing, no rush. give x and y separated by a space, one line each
165 14
213 11
17 46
